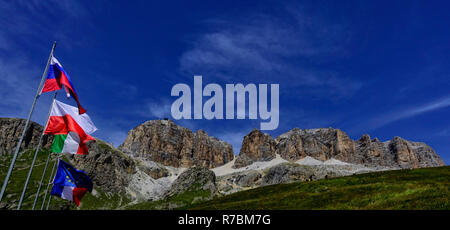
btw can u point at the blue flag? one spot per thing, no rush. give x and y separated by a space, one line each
70 183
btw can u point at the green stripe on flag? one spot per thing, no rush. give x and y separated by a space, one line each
58 143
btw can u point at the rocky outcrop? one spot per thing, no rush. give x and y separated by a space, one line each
328 143
235 182
148 163
107 167
194 179
256 146
324 144
290 172
169 144
152 169
374 152
10 131
286 172
424 154
397 153
209 151
321 144
249 179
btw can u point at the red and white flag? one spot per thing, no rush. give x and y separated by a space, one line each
72 130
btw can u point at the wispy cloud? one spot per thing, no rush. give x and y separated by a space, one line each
29 27
409 112
266 48
443 133
22 24
18 81
159 110
154 109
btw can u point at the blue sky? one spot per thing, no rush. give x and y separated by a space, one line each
373 67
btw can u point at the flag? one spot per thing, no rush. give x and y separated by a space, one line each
70 183
71 130
58 78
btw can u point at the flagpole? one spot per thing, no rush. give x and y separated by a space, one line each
42 180
11 166
50 197
48 185
35 154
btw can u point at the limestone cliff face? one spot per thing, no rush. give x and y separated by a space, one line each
10 131
150 146
374 152
425 155
256 146
108 168
165 142
397 152
324 144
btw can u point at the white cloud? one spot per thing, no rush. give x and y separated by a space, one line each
24 26
24 23
159 110
265 48
18 82
154 109
409 112
444 132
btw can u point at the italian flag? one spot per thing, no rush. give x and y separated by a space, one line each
70 129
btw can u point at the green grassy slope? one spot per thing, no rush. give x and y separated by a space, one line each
427 188
19 175
95 200
102 200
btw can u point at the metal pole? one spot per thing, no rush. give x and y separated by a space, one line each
48 185
35 154
50 197
11 166
42 180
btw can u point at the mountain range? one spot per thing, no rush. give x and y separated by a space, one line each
160 159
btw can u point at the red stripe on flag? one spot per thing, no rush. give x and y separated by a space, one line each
65 124
65 81
51 85
78 193
82 149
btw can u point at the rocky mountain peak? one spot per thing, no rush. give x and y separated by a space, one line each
404 153
10 131
365 138
329 143
140 168
256 146
165 142
321 144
